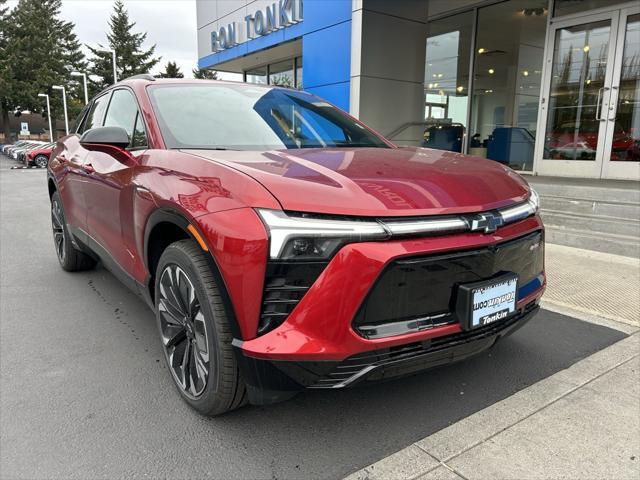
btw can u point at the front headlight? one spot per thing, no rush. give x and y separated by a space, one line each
306 238
534 200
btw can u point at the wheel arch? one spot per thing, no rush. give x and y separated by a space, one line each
166 226
51 185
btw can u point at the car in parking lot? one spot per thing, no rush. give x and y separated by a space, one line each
37 156
18 151
284 245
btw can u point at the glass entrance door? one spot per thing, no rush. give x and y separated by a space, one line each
623 116
590 116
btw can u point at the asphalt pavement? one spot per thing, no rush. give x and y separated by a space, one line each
84 392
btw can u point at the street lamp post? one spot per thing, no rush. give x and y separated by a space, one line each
64 104
84 82
113 54
48 115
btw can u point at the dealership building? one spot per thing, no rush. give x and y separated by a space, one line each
550 87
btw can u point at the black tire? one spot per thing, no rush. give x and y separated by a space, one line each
71 259
186 330
40 161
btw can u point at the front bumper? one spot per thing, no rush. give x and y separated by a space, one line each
274 381
318 338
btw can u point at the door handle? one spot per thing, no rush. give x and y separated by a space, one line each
613 100
87 167
599 104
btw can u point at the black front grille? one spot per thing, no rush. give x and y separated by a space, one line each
419 292
411 357
285 285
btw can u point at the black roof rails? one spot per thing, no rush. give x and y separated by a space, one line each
142 76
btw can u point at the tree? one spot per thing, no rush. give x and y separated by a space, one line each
171 71
38 50
204 74
131 57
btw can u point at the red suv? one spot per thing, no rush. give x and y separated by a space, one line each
284 245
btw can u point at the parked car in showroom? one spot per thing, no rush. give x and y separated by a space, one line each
284 245
38 156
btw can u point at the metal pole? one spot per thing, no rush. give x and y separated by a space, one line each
64 105
86 93
49 118
115 75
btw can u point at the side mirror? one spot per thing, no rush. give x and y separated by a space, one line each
106 136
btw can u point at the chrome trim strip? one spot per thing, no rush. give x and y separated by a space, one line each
283 227
437 225
513 214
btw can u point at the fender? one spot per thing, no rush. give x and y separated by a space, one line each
179 219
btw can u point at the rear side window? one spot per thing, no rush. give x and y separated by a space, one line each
94 119
122 112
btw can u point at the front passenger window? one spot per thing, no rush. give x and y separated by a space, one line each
122 112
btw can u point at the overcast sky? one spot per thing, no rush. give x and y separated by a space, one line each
170 24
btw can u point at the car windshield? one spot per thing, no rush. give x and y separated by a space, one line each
245 117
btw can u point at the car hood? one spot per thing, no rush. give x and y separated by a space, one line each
377 181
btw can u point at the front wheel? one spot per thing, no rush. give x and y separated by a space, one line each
195 333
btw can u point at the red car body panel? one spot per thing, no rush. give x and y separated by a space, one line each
378 182
111 196
320 326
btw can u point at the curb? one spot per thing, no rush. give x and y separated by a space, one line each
430 455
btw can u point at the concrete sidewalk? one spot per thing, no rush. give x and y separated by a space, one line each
580 423
593 283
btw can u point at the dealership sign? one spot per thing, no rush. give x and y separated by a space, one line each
261 22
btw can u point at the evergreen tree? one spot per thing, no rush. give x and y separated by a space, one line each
39 50
171 71
131 58
204 74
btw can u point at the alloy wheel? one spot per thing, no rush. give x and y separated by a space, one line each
57 224
41 161
184 331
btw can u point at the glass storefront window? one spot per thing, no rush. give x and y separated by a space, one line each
281 74
626 134
446 82
299 84
507 81
578 79
257 75
287 73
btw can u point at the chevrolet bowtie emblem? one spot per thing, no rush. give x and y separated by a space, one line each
488 222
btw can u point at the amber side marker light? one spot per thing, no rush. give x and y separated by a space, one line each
198 237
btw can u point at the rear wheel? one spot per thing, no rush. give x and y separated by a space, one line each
71 259
195 332
41 161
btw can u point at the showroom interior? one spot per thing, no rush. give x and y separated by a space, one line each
550 87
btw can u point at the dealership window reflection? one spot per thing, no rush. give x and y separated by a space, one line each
507 81
445 83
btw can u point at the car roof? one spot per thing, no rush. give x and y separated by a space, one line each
149 80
